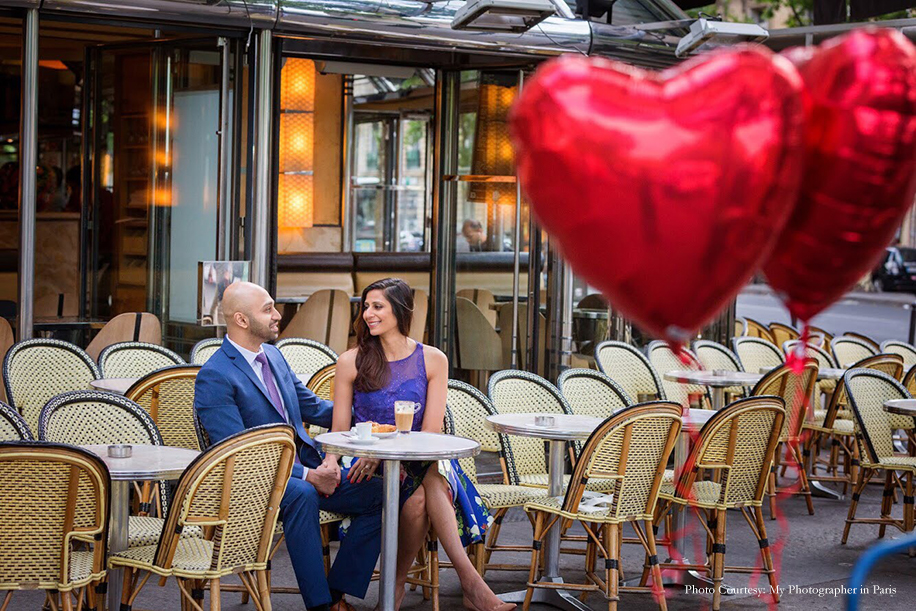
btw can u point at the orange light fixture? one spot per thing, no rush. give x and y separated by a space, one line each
295 193
492 154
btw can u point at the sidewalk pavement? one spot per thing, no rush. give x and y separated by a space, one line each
896 300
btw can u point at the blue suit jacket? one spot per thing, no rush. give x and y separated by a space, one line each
229 398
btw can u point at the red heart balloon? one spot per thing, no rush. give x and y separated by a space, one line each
860 167
665 190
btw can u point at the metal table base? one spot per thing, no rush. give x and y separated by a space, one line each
389 556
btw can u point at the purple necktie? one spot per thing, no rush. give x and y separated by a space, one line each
271 385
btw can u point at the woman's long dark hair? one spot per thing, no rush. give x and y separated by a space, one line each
372 370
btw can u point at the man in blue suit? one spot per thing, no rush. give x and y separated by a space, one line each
247 383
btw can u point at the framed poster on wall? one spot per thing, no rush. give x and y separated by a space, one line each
213 278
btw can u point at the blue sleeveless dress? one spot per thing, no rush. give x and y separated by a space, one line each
408 383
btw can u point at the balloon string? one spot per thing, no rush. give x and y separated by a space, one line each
795 359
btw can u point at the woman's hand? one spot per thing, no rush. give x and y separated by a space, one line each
362 470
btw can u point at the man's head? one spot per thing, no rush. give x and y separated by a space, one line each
251 318
472 231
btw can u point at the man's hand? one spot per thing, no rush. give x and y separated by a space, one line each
325 478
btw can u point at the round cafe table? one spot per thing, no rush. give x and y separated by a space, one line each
391 451
902 407
118 386
146 463
717 381
830 373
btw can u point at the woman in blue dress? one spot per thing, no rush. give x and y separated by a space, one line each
388 366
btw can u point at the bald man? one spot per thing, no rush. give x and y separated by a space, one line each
248 383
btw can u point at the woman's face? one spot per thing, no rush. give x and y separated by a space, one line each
378 314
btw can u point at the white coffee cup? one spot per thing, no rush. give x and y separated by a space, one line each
364 430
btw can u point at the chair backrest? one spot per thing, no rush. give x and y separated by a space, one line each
127 327
255 466
49 494
867 391
593 301
909 381
905 350
827 337
135 359
168 396
6 342
478 344
592 393
306 356
713 355
513 391
782 333
631 448
322 383
420 312
12 425
664 360
466 416
864 339
795 389
35 370
738 442
324 317
483 299
848 350
889 364
757 354
505 335
629 368
740 326
824 359
754 328
204 349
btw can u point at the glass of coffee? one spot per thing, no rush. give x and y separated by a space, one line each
403 415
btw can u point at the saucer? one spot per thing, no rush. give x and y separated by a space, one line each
363 442
385 435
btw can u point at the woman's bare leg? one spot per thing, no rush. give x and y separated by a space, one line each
412 531
441 512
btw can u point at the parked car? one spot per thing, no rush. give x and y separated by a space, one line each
897 271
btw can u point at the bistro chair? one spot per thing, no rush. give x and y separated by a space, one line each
135 360
848 350
322 384
306 356
35 370
740 326
824 361
417 330
905 350
324 317
863 338
466 416
713 356
6 342
630 369
127 327
53 496
204 349
795 389
255 466
12 425
479 348
168 396
737 445
629 449
909 381
483 299
868 391
826 337
591 393
755 328
782 333
664 359
756 354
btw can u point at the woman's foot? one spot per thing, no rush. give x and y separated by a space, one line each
485 601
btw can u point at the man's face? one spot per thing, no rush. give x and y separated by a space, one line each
264 320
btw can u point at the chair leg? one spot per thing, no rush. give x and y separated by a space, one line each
802 477
533 571
493 535
887 501
864 476
611 535
325 547
432 568
718 559
264 591
214 595
771 489
765 553
908 508
658 587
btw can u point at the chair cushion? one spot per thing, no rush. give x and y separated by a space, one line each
588 511
540 480
80 567
502 496
703 493
907 463
324 517
191 555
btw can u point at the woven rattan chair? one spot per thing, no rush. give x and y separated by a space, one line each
824 361
782 333
322 384
255 466
905 350
466 416
740 326
756 354
204 349
664 359
12 425
306 356
630 449
6 342
86 417
909 381
713 356
848 350
795 389
168 396
135 360
737 444
630 369
592 393
754 328
53 496
868 391
826 338
864 338
36 370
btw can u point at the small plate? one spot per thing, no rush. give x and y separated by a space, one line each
385 435
362 442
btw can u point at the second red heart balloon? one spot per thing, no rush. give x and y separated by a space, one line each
665 191
860 167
